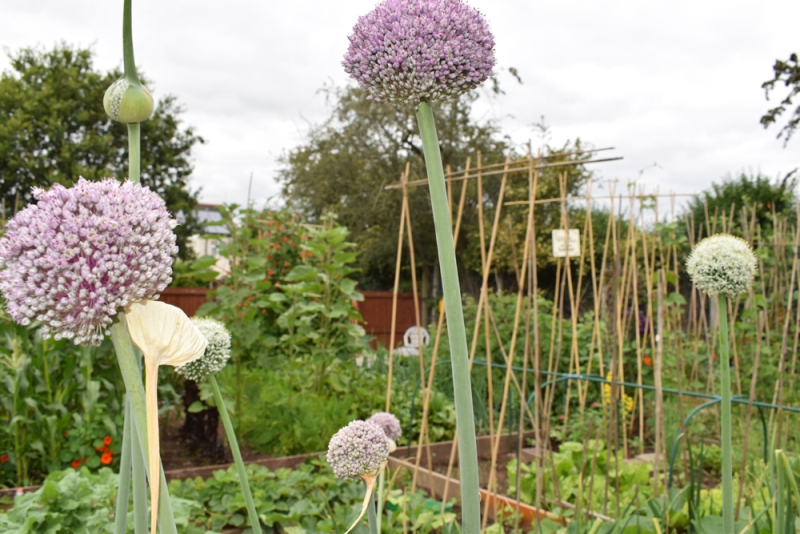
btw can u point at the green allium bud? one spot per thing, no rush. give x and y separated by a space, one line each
128 102
722 265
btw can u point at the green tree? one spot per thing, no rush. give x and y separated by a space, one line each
787 72
757 194
54 130
345 163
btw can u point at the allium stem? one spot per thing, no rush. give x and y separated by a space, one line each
725 417
371 518
127 44
140 517
123 490
255 523
132 377
381 477
134 152
465 419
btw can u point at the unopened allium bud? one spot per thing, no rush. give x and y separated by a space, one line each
128 102
80 255
388 423
722 265
217 352
357 450
420 50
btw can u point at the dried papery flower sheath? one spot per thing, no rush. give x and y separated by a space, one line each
388 423
420 50
166 337
722 265
216 355
80 255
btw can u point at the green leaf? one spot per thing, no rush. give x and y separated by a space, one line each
196 407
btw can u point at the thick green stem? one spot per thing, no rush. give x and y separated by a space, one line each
465 419
255 523
134 152
127 44
381 477
140 516
725 417
132 377
124 488
371 518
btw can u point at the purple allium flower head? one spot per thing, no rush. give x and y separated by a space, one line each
420 50
357 449
389 424
80 255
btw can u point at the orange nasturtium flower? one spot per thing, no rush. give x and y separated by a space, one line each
76 463
107 441
106 458
3 458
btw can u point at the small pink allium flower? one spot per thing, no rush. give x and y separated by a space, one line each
358 449
388 423
78 256
420 50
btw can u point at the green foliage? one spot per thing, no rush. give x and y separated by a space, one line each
55 129
288 293
303 418
81 502
628 481
57 405
306 499
787 72
710 212
194 273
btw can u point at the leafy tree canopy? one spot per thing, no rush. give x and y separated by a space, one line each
54 130
752 198
787 72
345 163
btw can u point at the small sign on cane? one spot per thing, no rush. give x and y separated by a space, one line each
566 243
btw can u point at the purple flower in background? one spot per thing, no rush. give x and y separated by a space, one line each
420 50
388 423
358 449
80 255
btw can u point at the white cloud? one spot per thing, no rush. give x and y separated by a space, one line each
674 83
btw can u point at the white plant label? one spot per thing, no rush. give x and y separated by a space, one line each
566 243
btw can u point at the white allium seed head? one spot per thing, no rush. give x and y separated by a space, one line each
358 449
722 265
217 352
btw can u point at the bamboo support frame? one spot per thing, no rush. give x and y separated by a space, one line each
626 278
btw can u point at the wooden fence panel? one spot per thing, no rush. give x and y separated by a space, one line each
376 309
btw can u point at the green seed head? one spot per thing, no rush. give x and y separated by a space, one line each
128 102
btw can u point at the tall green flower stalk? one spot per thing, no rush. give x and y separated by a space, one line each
462 389
723 267
215 357
423 52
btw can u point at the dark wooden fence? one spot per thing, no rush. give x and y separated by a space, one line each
189 299
376 309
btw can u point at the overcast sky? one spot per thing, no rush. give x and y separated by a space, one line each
674 86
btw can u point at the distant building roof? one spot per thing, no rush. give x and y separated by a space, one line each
209 213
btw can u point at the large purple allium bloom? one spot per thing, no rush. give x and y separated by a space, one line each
358 449
80 255
420 50
388 423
